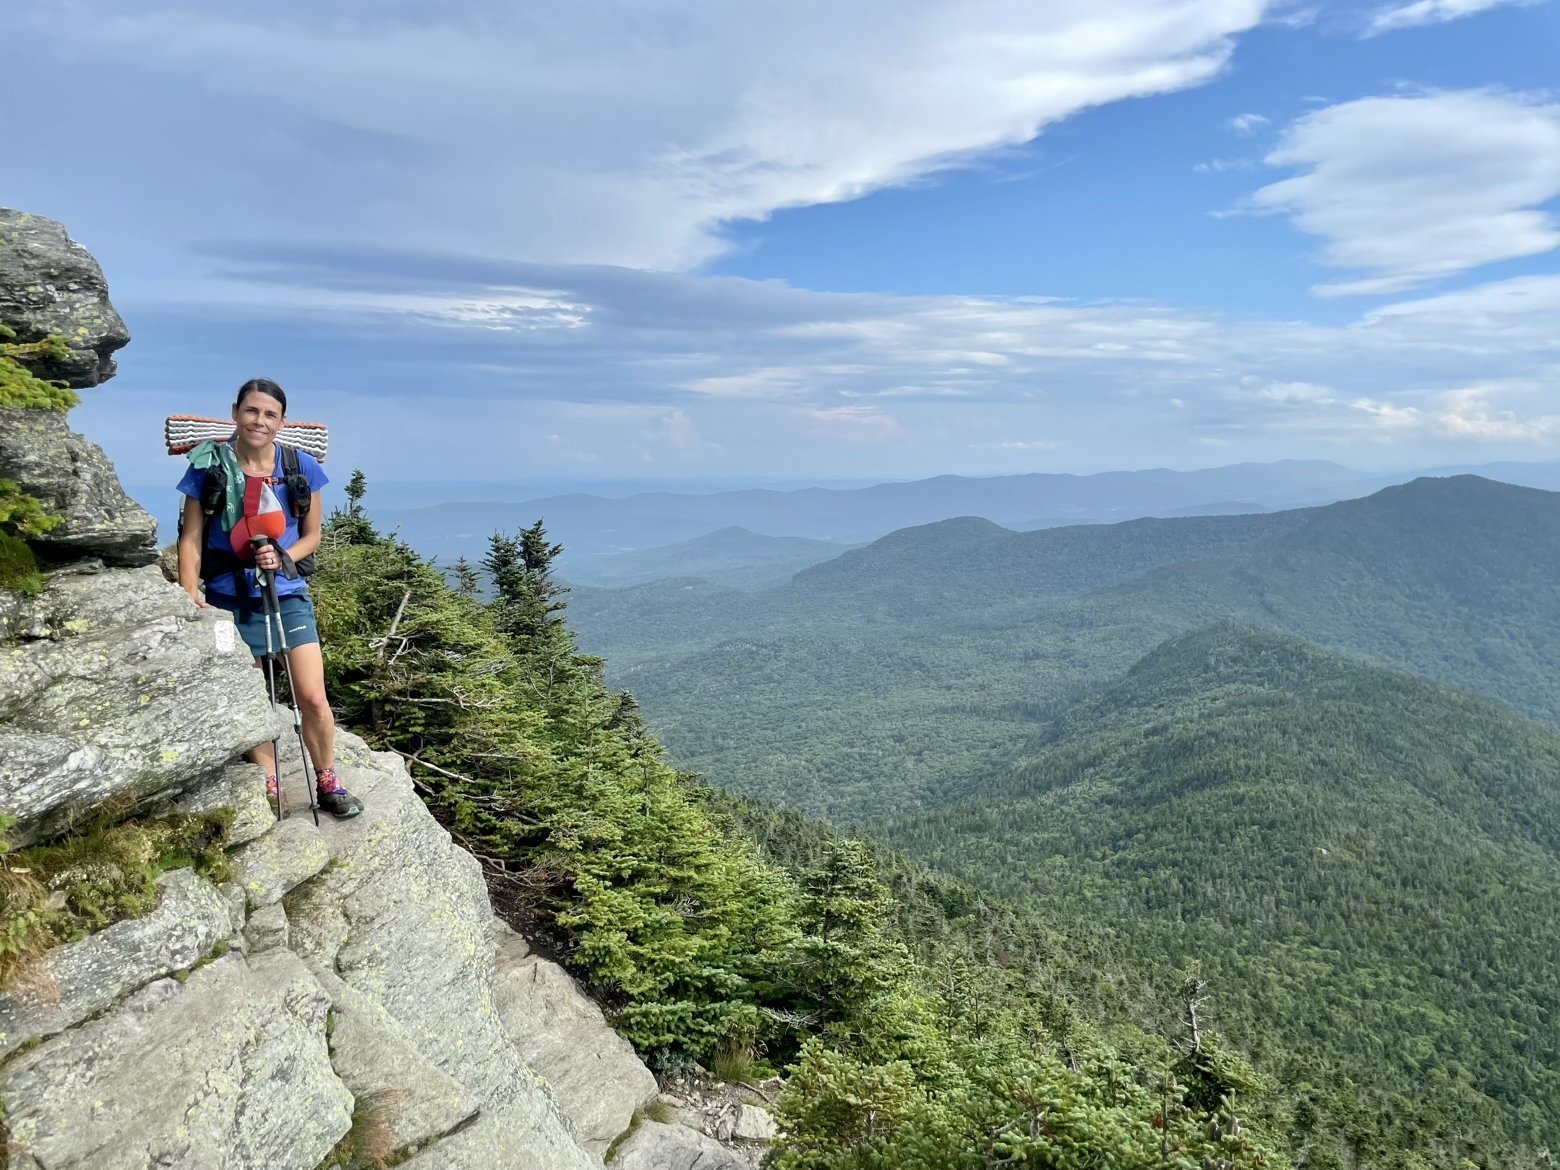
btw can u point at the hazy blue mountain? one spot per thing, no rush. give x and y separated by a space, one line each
1544 475
591 524
732 556
1221 508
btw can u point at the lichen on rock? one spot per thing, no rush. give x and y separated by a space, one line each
51 287
340 999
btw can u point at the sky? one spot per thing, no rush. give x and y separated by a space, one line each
691 239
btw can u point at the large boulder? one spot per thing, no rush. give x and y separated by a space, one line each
84 977
657 1146
226 1071
137 695
51 285
560 1033
75 481
401 916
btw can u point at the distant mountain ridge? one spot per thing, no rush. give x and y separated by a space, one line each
595 525
905 678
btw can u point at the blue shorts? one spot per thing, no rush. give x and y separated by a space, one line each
297 624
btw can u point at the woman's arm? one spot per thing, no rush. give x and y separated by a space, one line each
308 531
193 528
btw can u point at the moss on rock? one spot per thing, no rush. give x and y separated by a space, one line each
68 888
19 386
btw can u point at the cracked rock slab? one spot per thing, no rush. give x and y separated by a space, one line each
372 1055
266 929
654 1146
560 1033
272 864
84 977
510 1137
402 917
227 1071
138 697
240 787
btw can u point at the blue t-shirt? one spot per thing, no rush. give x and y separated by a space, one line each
229 584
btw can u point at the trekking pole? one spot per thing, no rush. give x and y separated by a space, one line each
274 606
270 693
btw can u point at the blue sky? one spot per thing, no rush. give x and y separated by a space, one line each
829 240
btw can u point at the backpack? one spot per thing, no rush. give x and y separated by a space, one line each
216 562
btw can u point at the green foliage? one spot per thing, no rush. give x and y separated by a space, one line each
19 387
352 526
549 777
18 566
1365 864
733 1063
526 603
845 967
67 888
21 516
1010 1095
717 930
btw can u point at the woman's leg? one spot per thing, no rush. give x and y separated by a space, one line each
319 723
264 754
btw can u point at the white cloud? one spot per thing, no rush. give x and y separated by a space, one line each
1422 12
1268 390
1471 412
1017 445
1520 298
853 423
1412 189
1245 124
584 132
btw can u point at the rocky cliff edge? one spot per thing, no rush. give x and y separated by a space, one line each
346 998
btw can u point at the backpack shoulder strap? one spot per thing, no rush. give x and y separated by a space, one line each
299 491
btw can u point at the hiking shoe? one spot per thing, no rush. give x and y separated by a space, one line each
334 797
273 793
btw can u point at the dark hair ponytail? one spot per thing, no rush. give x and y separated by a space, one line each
261 386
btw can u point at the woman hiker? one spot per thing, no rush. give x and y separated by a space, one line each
250 473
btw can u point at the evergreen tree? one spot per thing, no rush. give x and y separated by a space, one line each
527 601
844 960
352 526
467 583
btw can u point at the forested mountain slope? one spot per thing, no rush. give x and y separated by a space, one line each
1454 579
796 695
927 575
1365 865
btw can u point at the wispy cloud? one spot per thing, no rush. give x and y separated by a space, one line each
1412 189
745 377
1421 12
1246 124
580 132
